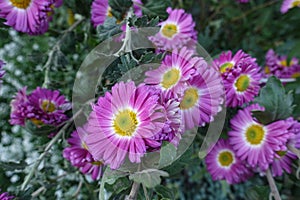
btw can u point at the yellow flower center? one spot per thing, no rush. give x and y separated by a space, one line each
23 4
296 75
242 83
48 106
125 123
169 30
296 3
226 158
37 122
267 70
284 63
109 13
255 134
170 78
98 163
226 66
190 98
281 153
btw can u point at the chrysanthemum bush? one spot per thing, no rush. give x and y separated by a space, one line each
122 99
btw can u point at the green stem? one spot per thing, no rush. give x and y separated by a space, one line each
274 191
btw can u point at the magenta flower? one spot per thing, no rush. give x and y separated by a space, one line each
289 4
136 7
201 98
2 72
79 156
278 66
294 130
5 196
100 10
28 16
42 107
223 164
243 84
256 143
123 123
282 162
243 1
176 32
175 70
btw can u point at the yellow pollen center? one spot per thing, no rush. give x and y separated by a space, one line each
225 158
190 98
23 4
169 30
296 75
226 66
242 83
296 3
281 153
170 78
109 13
37 122
48 106
255 134
267 70
98 163
125 123
284 63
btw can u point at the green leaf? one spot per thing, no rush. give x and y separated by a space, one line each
120 7
277 104
149 177
164 192
167 155
258 193
154 8
43 130
143 21
12 166
108 29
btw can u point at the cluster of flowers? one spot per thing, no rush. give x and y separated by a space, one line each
253 147
280 67
41 107
5 196
28 16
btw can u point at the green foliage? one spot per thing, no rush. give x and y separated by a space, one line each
148 177
154 8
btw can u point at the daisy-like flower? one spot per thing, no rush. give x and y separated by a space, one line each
136 7
122 123
294 129
42 107
256 143
282 162
175 70
2 72
201 98
79 156
100 10
177 31
5 196
223 164
28 16
242 85
289 4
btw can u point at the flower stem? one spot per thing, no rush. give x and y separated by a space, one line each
134 191
274 191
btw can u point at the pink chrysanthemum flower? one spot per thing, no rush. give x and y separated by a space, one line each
28 16
100 10
201 98
279 66
136 7
5 196
175 70
282 162
79 156
42 107
223 164
256 143
242 85
176 32
294 129
289 4
123 123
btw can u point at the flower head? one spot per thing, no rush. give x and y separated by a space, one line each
28 16
2 72
223 164
100 10
176 32
175 70
201 98
289 4
79 156
123 123
256 143
5 196
282 162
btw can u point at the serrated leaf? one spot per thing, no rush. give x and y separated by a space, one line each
108 29
277 104
154 8
149 177
167 155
